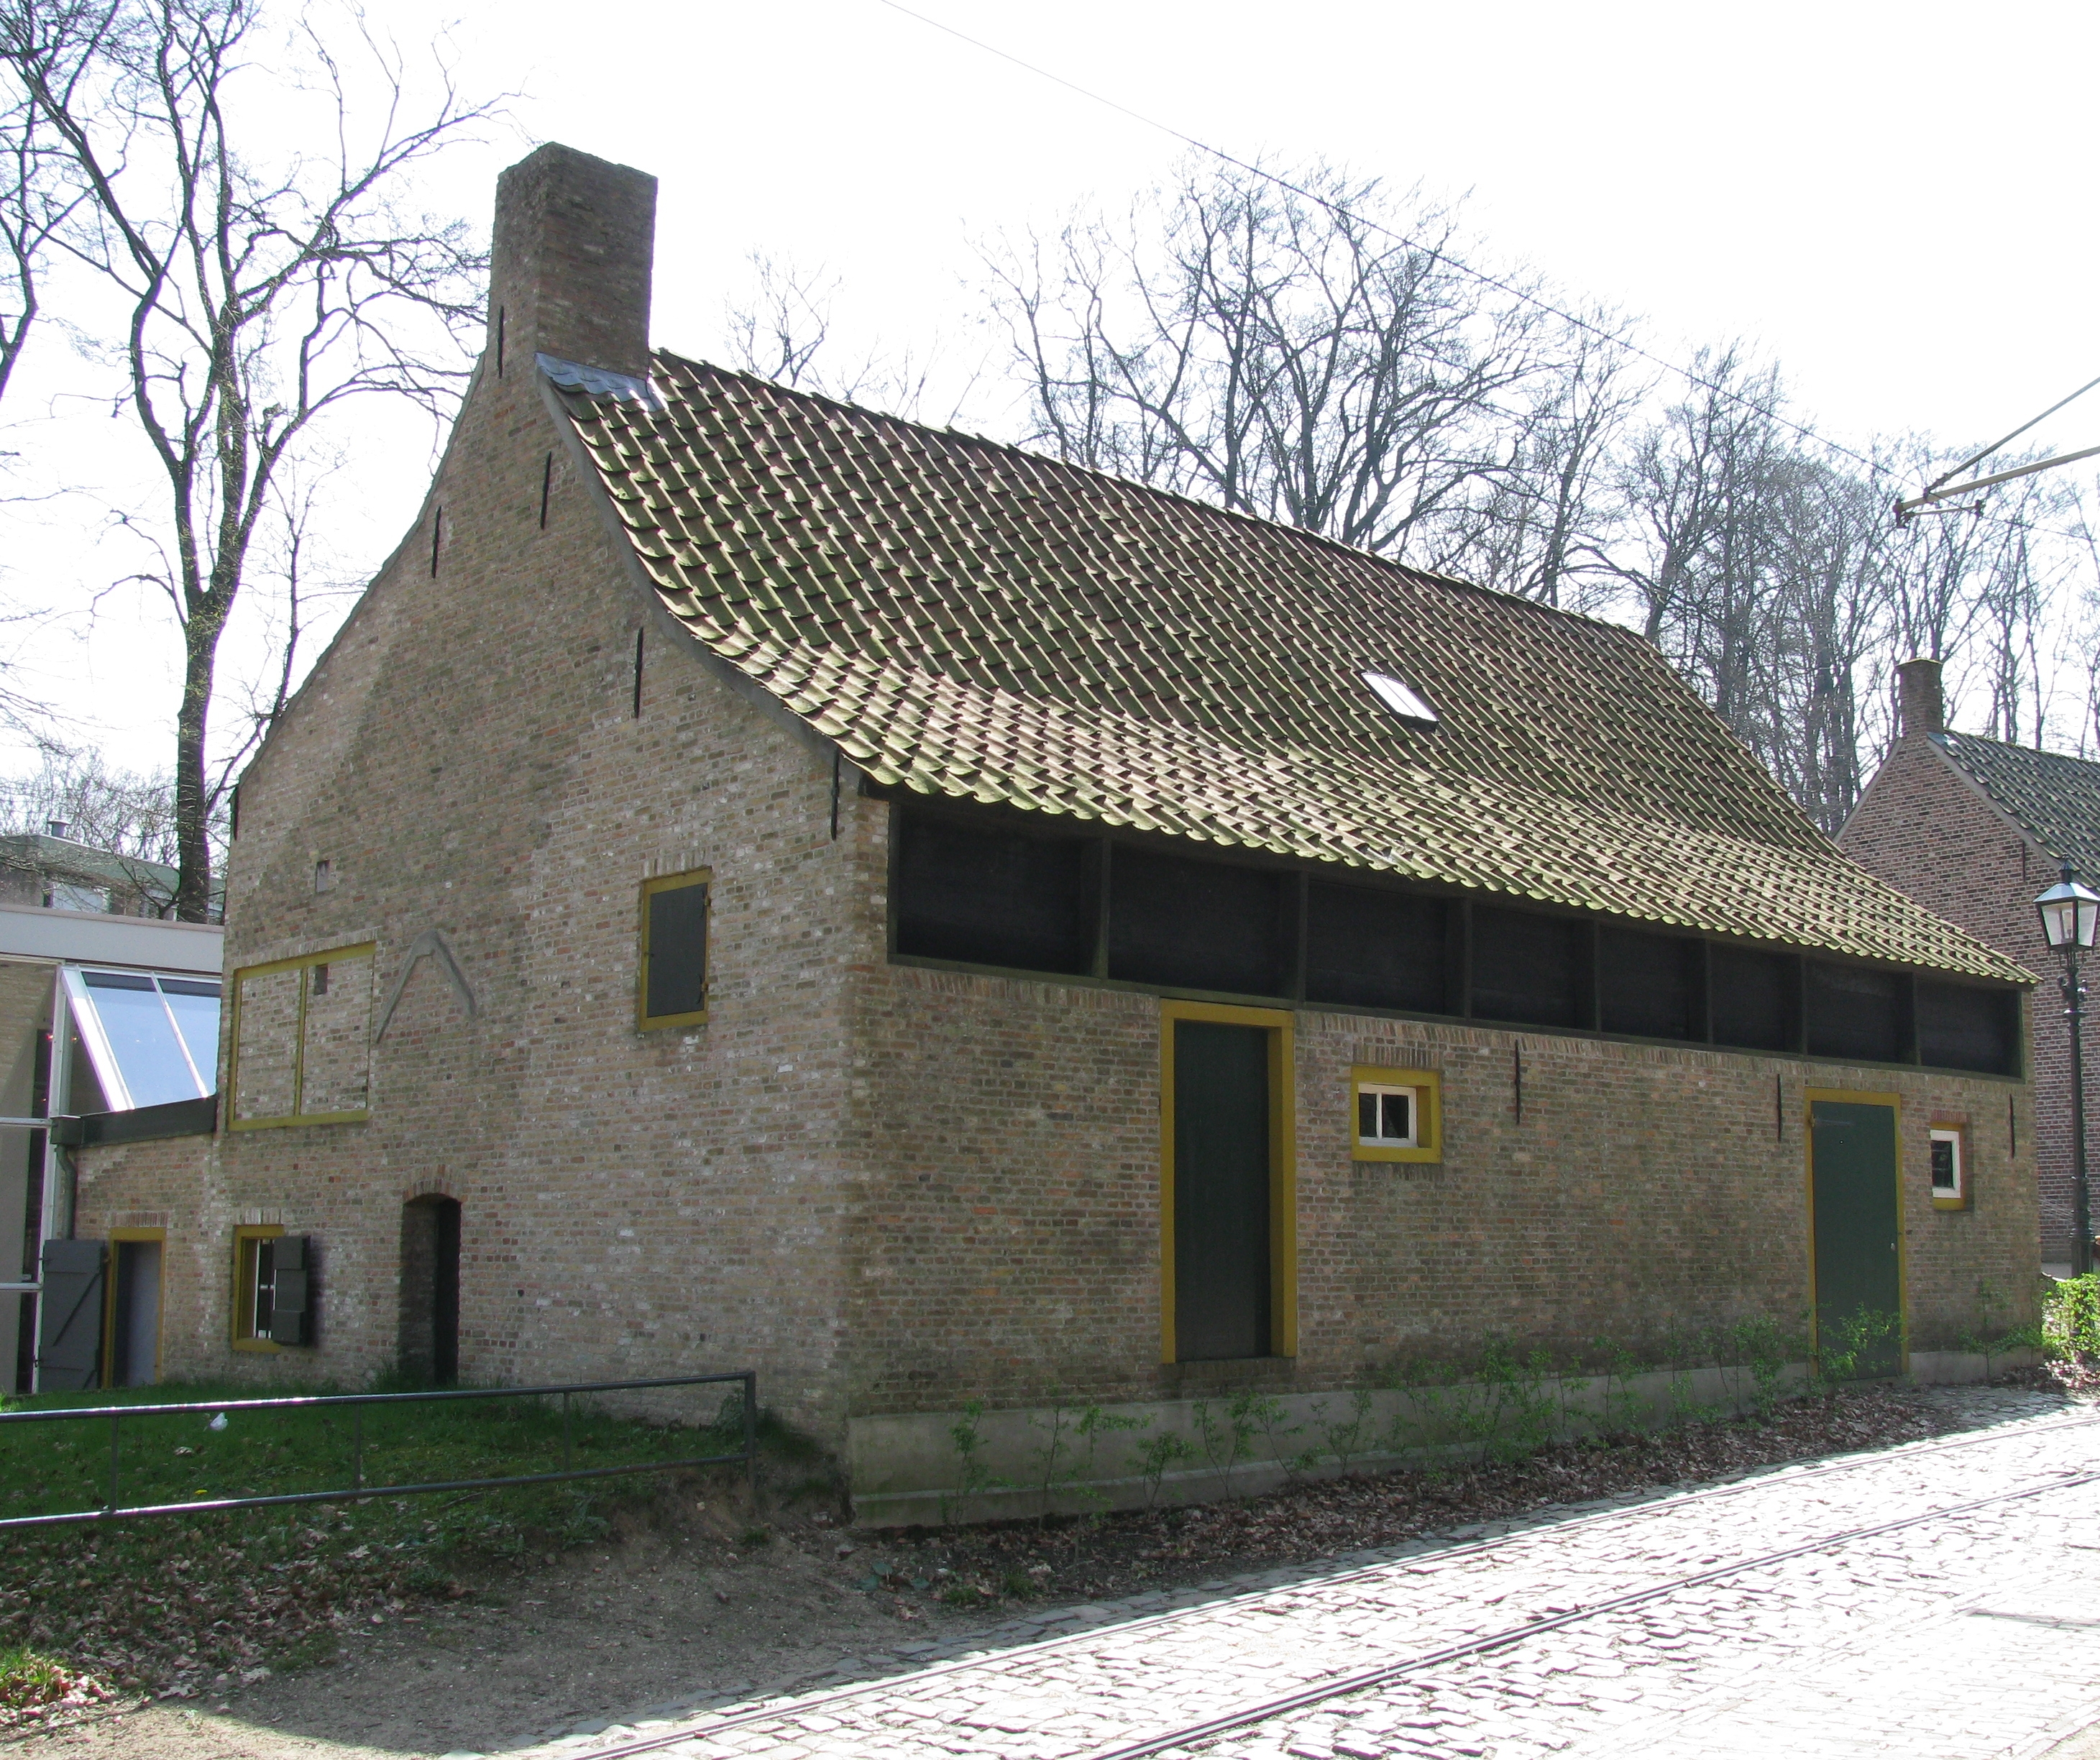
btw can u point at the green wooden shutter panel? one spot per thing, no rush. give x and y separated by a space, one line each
1221 1191
1857 1265
291 1308
69 1316
677 976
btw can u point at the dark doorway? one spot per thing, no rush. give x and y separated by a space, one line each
135 1314
1222 1176
430 1291
1852 1177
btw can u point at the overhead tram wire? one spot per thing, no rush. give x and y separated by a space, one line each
1933 490
1441 255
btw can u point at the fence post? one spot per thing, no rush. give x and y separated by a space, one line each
114 1421
565 1430
357 1448
750 1429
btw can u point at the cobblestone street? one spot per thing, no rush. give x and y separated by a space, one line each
1966 1624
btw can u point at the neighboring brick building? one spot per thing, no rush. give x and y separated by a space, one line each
1974 829
758 882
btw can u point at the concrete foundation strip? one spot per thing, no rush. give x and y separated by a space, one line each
1281 1706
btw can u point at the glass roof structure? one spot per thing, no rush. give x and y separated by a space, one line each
151 1038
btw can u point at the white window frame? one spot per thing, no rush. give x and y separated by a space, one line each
1413 1139
1960 1189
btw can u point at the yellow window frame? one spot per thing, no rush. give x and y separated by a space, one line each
109 1298
1282 1166
246 1237
1428 1086
303 965
645 1021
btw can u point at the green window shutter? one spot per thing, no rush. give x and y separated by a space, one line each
291 1305
69 1316
677 972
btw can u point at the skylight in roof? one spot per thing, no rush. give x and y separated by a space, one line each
1402 698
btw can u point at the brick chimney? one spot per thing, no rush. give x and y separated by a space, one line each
569 268
1924 710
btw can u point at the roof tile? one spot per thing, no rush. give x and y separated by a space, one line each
966 619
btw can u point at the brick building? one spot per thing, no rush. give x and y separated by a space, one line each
758 882
51 870
1974 829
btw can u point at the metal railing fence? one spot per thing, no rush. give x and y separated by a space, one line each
357 1490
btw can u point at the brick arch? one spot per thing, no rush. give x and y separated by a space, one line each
436 1186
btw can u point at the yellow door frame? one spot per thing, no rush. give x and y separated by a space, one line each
1282 1166
1850 1097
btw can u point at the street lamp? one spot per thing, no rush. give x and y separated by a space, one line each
2070 913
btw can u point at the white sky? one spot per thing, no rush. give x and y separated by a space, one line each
1894 201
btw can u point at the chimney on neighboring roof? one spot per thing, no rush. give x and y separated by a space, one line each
570 263
54 828
1924 710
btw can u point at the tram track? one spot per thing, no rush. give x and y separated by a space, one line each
1317 1692
1247 1716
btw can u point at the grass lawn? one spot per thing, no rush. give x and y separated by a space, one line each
181 1601
178 1457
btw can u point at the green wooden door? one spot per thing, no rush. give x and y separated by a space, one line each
1221 1191
1852 1173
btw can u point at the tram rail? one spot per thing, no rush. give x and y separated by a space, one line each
1317 1692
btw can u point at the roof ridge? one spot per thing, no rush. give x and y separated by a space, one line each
2014 745
1430 576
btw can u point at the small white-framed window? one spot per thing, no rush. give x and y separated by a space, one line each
1389 1117
1396 1114
1950 1184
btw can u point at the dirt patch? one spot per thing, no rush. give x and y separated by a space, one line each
679 1607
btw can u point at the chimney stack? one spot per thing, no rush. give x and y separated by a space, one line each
1924 711
570 264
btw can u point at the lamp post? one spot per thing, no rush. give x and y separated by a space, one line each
2070 913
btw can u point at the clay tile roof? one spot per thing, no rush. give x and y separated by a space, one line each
971 620
2054 798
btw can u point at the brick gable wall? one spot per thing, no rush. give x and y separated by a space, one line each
1926 829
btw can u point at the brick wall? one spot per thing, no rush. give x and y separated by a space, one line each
1926 828
1009 1248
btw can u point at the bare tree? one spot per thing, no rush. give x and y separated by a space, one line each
781 328
258 288
1811 718
1281 353
1692 482
2023 572
1545 529
782 322
37 198
124 812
